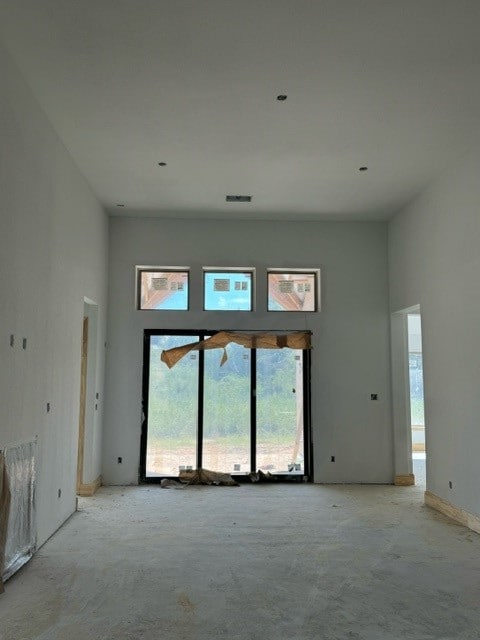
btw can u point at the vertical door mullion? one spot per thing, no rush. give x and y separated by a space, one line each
201 387
253 410
145 400
307 435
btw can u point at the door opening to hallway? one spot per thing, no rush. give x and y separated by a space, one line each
417 412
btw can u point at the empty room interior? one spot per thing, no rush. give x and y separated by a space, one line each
240 311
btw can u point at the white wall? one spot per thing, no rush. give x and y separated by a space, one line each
434 261
350 335
53 252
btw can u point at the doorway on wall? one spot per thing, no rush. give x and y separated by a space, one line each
417 410
83 404
251 413
87 482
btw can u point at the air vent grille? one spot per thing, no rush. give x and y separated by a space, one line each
238 198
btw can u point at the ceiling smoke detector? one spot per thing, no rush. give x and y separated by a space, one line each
238 198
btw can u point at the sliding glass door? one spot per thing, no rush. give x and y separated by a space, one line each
171 442
280 423
226 441
250 413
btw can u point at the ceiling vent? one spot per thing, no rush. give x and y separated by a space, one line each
238 198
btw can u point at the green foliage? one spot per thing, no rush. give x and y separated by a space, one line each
173 396
417 411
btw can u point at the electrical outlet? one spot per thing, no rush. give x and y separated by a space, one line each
119 460
48 407
332 459
59 493
450 484
12 340
374 396
24 343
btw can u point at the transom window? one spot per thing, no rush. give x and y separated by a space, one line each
293 289
164 288
228 289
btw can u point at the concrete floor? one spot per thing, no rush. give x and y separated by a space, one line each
255 562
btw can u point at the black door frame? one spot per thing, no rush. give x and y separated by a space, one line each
202 334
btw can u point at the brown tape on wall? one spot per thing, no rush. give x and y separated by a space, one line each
251 340
4 513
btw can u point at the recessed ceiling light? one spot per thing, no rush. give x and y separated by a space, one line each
238 198
119 204
162 164
282 97
363 169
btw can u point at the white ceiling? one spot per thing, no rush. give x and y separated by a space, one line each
391 84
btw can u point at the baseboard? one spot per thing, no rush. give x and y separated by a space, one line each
461 516
404 481
418 447
89 489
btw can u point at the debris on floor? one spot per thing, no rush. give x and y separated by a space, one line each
260 476
207 477
169 483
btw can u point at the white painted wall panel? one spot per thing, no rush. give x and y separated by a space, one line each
53 252
350 335
434 261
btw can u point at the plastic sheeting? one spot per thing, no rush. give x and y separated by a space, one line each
4 514
21 533
250 340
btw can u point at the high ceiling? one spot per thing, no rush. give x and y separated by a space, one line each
393 85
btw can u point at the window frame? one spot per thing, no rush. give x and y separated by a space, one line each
140 269
315 272
231 271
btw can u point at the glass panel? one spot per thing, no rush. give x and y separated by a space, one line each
417 414
167 290
292 291
227 291
226 424
172 409
416 389
280 410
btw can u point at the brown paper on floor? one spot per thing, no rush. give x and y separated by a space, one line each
205 476
4 513
250 340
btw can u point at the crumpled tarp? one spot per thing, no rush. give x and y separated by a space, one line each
250 340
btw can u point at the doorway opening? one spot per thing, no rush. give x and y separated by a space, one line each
417 410
87 481
83 404
251 413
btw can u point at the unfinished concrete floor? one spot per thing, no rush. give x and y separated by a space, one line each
255 562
